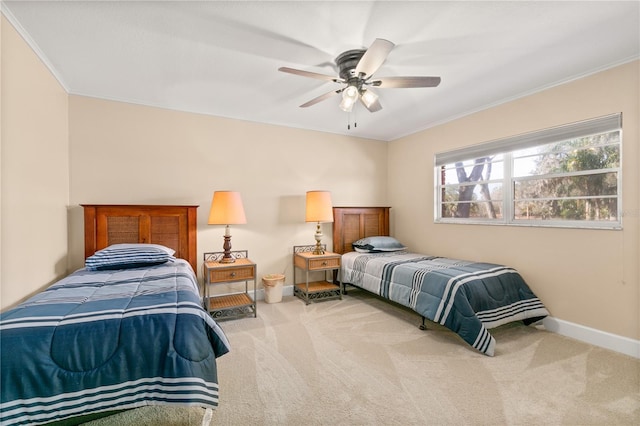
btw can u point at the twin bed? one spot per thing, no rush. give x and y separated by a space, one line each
126 331
467 297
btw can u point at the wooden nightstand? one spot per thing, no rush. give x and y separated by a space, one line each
236 304
305 260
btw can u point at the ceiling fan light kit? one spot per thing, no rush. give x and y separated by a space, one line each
356 68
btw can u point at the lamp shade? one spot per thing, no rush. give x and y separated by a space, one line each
319 207
226 209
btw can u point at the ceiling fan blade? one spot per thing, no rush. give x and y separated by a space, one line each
310 74
374 57
320 98
400 82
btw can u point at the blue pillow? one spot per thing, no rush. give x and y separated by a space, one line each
377 244
125 256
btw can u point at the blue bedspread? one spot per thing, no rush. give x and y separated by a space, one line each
466 297
109 340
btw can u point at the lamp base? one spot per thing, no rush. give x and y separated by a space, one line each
318 237
227 258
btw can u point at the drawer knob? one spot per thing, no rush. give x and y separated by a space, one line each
233 274
324 263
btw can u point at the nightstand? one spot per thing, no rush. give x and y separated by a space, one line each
229 305
305 260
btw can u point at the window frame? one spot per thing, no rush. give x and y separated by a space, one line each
506 147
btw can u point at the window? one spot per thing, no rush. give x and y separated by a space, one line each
566 176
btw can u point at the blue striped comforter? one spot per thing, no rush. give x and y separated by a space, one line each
109 340
466 297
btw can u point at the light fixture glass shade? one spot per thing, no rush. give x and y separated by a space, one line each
368 98
319 207
349 98
226 209
347 105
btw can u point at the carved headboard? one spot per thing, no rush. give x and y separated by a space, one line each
172 226
352 223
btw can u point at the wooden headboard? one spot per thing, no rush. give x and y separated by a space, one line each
352 223
172 226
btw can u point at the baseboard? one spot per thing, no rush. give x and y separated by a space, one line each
592 336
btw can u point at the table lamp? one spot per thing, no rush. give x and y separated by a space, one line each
319 209
226 209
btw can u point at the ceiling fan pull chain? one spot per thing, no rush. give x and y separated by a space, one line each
355 120
349 120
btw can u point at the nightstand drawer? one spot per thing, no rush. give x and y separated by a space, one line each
324 263
240 273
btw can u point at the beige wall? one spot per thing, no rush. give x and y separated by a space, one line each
587 277
35 172
123 153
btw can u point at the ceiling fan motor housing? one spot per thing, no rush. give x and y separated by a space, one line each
347 63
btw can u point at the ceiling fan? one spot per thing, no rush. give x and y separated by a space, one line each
356 68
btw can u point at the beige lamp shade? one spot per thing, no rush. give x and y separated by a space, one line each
319 207
226 209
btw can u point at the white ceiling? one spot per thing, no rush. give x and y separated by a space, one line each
222 57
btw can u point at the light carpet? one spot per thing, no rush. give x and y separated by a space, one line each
364 361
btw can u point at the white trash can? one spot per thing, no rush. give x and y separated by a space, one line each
272 284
